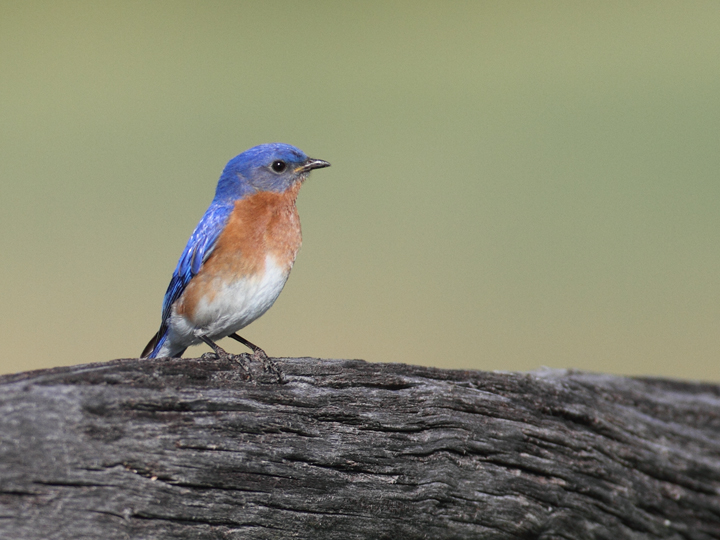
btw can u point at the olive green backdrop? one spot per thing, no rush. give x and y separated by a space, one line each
513 184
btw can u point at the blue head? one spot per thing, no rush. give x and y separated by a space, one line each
268 167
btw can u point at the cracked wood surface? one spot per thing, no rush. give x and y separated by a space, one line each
190 449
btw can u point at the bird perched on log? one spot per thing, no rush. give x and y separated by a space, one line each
239 256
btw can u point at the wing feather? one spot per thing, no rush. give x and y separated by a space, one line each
198 249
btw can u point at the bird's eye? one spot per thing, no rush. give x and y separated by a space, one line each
279 166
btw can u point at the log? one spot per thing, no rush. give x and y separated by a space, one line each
203 449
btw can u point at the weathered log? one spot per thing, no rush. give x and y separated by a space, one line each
192 449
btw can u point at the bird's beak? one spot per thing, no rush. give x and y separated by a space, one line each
311 164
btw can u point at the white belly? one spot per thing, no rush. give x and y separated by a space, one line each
234 305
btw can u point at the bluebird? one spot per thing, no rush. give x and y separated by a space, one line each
239 256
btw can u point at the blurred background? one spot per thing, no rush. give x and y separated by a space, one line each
513 184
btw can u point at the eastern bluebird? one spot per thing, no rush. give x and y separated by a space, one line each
240 255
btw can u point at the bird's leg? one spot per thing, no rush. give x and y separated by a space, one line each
259 354
255 349
219 351
222 354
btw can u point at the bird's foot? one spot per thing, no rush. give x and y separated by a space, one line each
260 356
269 366
239 359
223 355
220 354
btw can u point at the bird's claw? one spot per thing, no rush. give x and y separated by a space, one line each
269 366
219 354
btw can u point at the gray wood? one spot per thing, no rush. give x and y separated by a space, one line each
191 449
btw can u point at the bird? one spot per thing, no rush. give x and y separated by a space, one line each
239 256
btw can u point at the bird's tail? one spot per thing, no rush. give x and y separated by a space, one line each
155 344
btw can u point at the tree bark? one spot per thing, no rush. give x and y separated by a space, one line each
204 449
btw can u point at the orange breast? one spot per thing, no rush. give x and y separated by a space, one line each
265 223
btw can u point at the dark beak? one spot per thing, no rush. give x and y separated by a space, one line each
311 164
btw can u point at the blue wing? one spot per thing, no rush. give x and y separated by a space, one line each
198 249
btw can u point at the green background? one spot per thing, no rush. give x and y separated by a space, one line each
513 184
